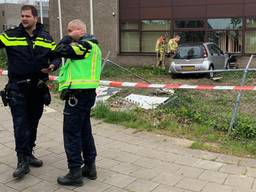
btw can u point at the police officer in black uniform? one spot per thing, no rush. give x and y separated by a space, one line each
30 58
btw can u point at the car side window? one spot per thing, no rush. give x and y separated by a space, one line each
211 49
217 50
221 52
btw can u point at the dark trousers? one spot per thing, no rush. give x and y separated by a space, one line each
77 131
26 109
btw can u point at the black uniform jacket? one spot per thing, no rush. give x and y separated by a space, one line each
28 55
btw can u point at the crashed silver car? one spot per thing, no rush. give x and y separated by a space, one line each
198 57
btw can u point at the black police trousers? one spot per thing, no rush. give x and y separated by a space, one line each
26 109
77 131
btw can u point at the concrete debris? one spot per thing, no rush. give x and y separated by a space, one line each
163 91
103 93
146 102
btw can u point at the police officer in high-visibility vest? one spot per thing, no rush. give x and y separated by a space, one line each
78 80
30 58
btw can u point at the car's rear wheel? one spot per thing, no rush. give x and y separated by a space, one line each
211 74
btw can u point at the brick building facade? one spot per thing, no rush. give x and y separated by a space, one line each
129 29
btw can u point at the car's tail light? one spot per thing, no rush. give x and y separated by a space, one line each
205 54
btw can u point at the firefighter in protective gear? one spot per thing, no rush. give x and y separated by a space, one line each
78 80
160 52
173 45
30 58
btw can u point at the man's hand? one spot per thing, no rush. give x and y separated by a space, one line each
76 34
49 69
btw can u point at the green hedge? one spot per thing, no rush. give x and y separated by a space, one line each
3 59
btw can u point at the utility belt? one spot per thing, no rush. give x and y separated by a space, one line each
24 86
67 93
70 95
28 83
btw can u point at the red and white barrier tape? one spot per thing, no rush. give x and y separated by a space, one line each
163 86
3 72
176 86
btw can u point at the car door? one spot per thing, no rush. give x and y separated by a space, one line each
213 55
220 58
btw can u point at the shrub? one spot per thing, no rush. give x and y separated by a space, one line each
3 59
245 127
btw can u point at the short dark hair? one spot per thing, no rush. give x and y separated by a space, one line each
30 7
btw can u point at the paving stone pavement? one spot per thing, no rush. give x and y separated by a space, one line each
128 161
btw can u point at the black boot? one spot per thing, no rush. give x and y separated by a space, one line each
34 162
22 167
73 178
89 171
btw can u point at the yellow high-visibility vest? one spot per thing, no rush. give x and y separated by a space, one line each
82 73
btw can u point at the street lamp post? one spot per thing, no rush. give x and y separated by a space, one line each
60 25
41 11
60 19
91 16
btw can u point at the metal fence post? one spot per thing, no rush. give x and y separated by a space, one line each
105 61
238 99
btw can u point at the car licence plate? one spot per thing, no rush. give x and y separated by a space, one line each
188 68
